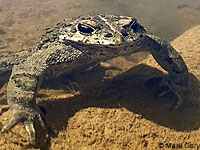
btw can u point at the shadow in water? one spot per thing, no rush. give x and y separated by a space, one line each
139 97
129 90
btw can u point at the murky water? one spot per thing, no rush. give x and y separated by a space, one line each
22 21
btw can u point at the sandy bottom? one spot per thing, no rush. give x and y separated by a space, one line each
113 109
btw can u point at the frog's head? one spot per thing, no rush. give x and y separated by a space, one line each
101 30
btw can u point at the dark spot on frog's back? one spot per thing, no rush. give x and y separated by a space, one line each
46 39
2 32
73 30
115 18
66 25
4 64
108 35
85 18
124 33
103 15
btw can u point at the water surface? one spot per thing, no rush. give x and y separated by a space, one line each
22 21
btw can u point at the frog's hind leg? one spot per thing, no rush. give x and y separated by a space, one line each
169 59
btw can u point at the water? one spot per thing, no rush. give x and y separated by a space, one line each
22 21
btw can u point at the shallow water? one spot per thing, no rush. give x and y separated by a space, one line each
22 21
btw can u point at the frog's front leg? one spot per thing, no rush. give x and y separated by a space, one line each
26 78
21 93
169 59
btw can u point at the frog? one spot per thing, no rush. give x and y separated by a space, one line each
75 44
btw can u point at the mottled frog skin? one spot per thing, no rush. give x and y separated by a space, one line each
74 45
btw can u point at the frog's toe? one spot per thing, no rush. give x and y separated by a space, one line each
28 117
163 91
179 101
162 82
181 90
166 86
28 124
13 121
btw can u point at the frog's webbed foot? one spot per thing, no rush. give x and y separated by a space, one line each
181 92
28 117
168 86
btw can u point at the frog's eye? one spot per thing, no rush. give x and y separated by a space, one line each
85 28
131 25
135 26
